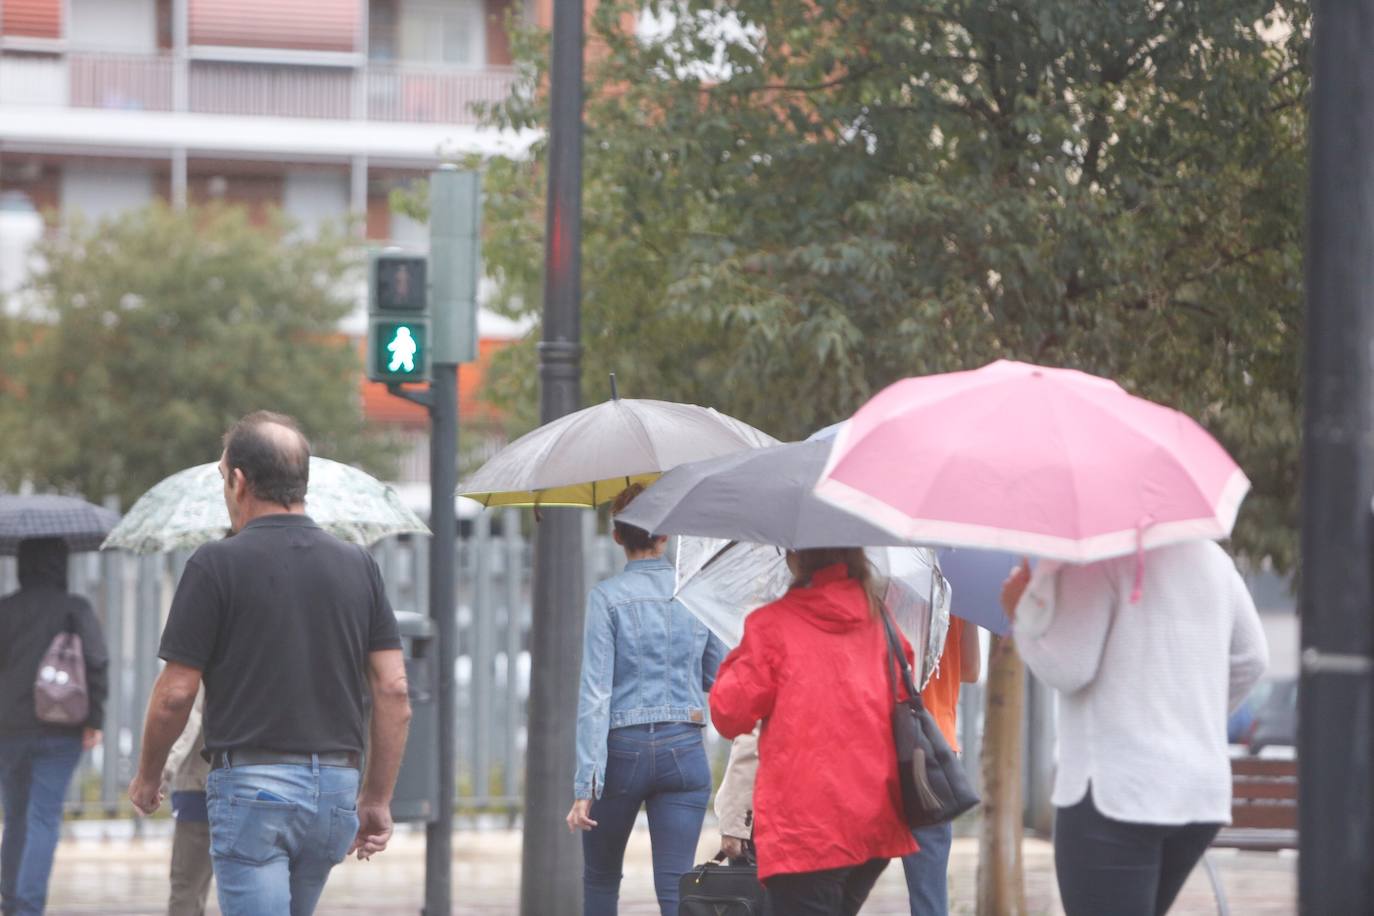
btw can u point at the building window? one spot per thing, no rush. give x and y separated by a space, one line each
314 198
114 25
104 191
428 31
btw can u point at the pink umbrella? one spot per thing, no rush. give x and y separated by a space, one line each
1050 462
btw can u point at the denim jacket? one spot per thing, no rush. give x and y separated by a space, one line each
645 659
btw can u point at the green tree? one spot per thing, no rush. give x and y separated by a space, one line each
789 205
146 335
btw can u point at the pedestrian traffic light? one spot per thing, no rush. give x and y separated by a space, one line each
398 318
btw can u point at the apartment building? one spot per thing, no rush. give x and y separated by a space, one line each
319 107
316 106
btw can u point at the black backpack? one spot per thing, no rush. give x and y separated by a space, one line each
718 888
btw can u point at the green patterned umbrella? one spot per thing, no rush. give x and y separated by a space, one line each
187 509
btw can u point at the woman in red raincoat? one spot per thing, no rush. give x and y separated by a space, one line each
827 802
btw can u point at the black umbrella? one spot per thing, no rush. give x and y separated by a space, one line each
81 524
761 495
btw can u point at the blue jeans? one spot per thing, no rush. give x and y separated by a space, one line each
34 773
664 766
276 832
927 871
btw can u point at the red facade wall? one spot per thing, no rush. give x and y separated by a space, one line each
498 42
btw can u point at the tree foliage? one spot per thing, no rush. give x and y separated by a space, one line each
147 335
789 205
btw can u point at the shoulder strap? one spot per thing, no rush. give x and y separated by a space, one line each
895 653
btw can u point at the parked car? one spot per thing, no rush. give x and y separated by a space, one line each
1276 718
1268 717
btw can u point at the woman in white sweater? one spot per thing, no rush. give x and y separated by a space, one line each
1143 781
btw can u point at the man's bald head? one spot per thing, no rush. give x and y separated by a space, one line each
273 454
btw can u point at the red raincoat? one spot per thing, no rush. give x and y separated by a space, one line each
812 666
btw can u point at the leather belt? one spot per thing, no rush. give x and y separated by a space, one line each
252 756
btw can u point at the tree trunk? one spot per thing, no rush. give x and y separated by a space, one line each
1001 880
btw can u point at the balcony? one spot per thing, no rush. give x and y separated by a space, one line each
416 94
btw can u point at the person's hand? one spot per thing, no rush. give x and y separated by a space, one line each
732 846
90 737
146 794
1014 587
579 818
374 829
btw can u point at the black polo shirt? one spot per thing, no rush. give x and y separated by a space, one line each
280 619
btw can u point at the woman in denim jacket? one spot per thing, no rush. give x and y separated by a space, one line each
647 665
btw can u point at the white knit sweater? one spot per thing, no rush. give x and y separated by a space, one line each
1144 689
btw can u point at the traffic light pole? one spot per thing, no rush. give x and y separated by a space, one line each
551 877
441 400
1336 699
455 204
443 481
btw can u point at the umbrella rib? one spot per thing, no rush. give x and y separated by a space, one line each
1149 435
716 556
646 440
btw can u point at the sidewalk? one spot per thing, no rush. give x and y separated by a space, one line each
119 877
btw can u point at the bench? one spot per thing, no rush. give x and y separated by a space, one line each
1264 813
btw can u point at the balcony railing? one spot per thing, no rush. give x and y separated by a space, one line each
121 81
432 95
381 92
270 90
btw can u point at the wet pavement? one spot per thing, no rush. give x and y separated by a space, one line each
115 875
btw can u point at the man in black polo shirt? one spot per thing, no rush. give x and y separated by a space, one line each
288 626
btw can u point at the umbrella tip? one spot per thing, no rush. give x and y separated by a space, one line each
615 393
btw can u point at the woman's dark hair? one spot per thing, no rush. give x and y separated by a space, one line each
273 454
810 561
631 537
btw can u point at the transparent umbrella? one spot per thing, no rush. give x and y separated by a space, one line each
187 509
723 582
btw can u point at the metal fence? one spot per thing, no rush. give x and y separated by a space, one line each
494 558
131 596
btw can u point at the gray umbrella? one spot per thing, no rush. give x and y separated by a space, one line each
81 524
762 495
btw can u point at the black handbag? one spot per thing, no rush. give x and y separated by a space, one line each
718 888
935 788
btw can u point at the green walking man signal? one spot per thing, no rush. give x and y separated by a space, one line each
403 348
398 317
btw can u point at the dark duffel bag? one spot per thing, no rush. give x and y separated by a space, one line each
716 888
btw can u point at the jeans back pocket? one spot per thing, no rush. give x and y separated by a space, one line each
622 767
250 829
343 829
693 769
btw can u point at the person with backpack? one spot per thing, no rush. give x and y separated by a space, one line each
46 719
